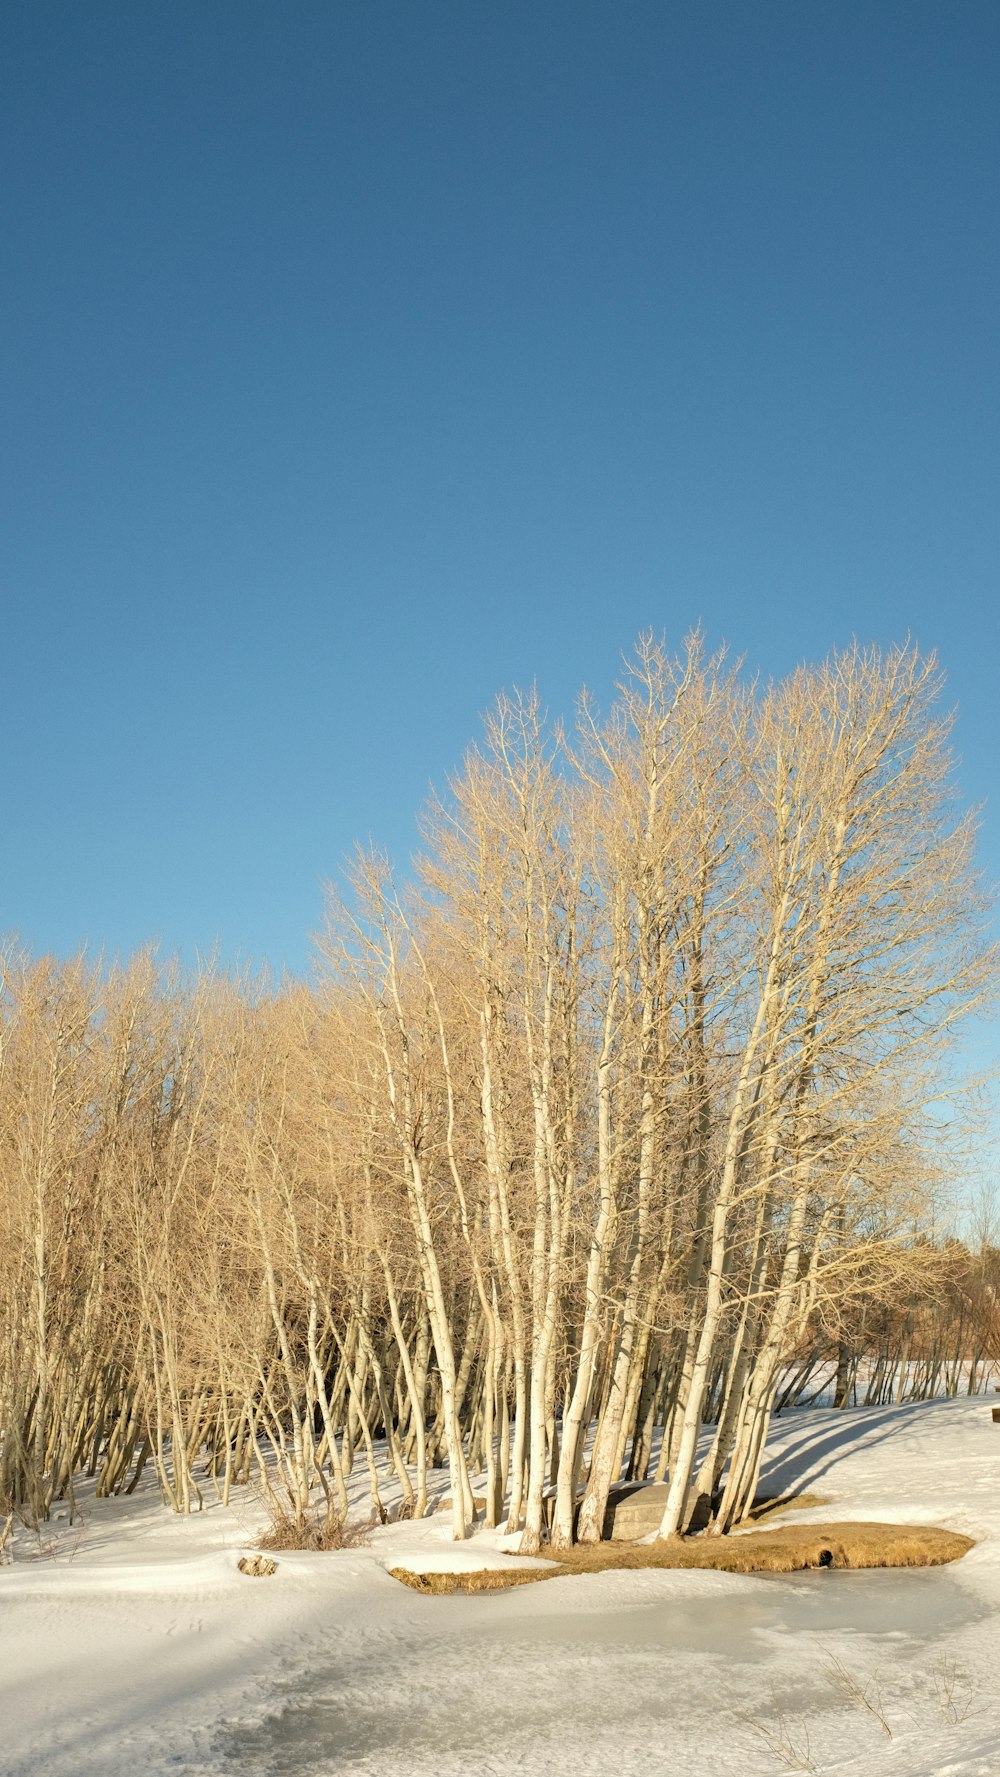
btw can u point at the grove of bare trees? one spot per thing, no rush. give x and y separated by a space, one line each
623 1123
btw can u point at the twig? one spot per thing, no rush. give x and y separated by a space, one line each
867 1696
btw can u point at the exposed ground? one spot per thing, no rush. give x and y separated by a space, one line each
795 1548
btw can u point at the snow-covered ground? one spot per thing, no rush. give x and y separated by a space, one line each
133 1644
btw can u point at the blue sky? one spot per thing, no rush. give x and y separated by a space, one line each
357 360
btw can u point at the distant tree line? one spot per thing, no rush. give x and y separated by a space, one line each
629 1118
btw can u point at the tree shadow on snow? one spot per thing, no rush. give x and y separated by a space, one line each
807 1455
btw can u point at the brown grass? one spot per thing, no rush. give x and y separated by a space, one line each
791 1549
319 1532
486 1579
768 1505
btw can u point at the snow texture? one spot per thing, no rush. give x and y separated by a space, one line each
132 1643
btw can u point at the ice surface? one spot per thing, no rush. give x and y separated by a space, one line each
526 1702
492 1680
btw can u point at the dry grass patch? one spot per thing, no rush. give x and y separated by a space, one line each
769 1505
318 1531
789 1549
792 1549
485 1579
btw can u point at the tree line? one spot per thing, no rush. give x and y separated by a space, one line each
635 1104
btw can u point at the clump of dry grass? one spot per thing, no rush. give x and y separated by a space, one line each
792 1549
317 1531
787 1740
954 1691
486 1579
865 1692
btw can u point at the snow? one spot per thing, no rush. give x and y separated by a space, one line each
133 1643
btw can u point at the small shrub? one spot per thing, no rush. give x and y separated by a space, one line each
866 1693
787 1741
954 1691
316 1531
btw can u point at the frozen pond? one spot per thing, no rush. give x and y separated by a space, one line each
501 1681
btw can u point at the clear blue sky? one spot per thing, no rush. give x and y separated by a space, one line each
360 359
